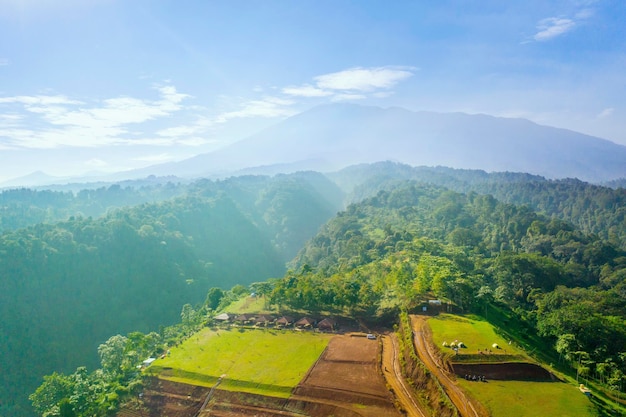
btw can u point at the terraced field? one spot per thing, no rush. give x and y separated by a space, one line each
267 362
515 386
268 372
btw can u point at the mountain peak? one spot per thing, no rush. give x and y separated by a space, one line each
341 134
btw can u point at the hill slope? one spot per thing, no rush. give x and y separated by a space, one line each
334 136
69 286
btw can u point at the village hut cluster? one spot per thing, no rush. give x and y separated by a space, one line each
282 322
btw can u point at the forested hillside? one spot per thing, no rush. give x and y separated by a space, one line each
393 250
591 208
68 286
24 207
551 251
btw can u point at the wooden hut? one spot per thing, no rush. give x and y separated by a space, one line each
327 325
245 319
305 323
264 320
284 321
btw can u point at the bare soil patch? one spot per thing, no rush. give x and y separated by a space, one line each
349 364
512 371
348 372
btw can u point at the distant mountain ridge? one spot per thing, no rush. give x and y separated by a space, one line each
334 136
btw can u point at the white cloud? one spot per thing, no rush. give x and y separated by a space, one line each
4 62
348 97
266 107
552 27
38 100
201 125
585 14
61 121
608 112
306 90
363 79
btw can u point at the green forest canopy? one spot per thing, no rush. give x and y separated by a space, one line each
72 284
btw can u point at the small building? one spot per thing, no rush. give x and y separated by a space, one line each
245 319
264 320
148 362
224 317
284 321
327 325
305 323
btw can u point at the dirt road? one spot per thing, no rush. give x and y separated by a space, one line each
391 369
421 336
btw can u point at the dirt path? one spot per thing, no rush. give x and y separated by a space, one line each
423 345
393 375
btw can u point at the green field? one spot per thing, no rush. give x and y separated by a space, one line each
268 362
507 398
530 399
249 305
475 333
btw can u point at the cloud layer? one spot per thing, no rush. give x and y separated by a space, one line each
52 121
552 27
55 121
353 83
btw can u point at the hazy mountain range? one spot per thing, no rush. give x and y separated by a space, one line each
331 137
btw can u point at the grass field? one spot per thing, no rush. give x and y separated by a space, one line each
530 399
249 304
507 398
474 332
268 362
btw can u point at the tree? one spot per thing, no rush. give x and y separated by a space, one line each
566 344
66 409
112 353
188 315
213 298
54 388
485 296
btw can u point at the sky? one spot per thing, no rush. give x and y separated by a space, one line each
112 85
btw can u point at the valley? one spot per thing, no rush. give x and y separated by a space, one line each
312 208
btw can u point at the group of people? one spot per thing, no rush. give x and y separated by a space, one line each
480 378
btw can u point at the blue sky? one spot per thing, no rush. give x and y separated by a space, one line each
108 85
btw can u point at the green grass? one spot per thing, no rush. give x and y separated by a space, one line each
247 304
530 399
507 398
267 362
475 333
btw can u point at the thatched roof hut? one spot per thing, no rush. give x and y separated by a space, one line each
327 325
305 323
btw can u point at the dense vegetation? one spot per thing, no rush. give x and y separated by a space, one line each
24 207
593 209
550 253
396 248
68 286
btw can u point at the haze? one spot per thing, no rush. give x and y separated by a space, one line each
107 86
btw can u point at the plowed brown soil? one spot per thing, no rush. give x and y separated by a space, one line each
347 374
344 382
